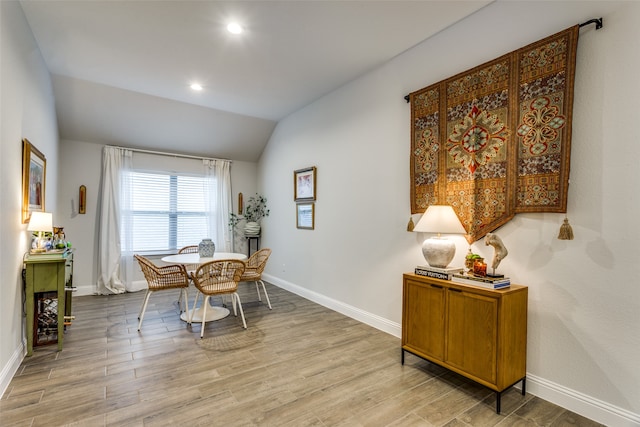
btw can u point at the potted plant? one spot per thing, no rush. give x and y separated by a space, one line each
254 210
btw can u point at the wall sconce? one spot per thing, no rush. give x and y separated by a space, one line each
82 199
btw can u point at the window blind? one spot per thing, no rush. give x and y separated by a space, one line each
163 211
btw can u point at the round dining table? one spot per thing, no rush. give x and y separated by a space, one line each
213 312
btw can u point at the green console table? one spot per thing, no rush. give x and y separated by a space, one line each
50 272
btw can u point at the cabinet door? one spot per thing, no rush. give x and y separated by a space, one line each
423 318
472 334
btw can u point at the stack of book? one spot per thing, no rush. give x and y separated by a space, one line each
484 281
437 273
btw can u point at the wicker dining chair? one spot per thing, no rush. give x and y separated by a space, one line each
191 249
253 272
160 279
218 277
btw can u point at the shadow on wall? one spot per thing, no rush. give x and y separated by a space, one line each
600 254
564 313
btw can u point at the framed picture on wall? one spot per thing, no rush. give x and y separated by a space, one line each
305 215
34 169
304 184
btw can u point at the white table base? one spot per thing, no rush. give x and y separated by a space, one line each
213 313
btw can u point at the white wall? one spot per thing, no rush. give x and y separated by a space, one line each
26 111
81 164
584 332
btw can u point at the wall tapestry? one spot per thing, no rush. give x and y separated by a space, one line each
495 140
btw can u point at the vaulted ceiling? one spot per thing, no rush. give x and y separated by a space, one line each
122 70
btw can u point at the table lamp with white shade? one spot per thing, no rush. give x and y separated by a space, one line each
440 219
41 222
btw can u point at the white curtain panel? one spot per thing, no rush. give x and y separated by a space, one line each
128 264
219 202
114 161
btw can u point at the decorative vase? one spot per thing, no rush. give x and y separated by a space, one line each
251 229
206 248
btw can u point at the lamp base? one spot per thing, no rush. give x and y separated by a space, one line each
438 251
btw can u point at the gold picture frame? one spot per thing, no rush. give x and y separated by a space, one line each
34 174
304 184
305 216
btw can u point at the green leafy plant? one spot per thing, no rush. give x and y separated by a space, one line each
254 210
471 258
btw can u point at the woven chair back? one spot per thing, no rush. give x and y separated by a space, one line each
167 277
191 249
218 277
258 261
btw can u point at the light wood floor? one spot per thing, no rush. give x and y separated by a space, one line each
298 365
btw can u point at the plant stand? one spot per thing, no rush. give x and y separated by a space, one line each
249 239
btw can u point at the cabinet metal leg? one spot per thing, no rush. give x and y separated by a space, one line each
499 393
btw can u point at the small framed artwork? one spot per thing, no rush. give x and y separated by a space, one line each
305 215
304 184
34 169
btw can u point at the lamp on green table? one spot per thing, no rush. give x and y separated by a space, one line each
41 222
439 219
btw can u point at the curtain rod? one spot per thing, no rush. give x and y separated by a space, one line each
164 153
597 21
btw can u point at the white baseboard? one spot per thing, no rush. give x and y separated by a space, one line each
367 318
577 402
557 394
84 290
10 369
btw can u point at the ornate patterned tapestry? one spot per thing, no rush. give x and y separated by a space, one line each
495 140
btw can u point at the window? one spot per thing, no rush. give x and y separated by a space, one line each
162 212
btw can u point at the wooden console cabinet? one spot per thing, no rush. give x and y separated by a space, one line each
478 333
44 274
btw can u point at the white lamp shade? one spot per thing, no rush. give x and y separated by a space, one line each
41 221
440 219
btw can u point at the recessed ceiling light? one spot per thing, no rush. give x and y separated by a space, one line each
234 28
196 86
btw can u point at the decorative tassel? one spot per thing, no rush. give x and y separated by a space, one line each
411 224
566 232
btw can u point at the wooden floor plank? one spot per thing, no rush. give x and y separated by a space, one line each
299 364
